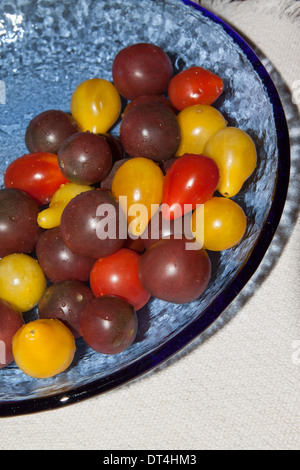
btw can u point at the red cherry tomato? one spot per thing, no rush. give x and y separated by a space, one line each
37 174
117 274
191 180
195 85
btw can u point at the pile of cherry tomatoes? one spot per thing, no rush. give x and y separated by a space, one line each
175 157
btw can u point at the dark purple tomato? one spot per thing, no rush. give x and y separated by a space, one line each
58 262
90 224
173 273
108 324
65 301
10 322
150 130
148 99
107 182
85 158
141 69
159 228
47 131
19 230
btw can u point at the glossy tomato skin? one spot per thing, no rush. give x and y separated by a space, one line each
96 105
58 262
198 124
117 274
85 158
234 152
141 181
38 174
195 85
108 324
22 281
18 221
90 224
65 301
47 131
173 273
140 69
150 130
191 180
224 222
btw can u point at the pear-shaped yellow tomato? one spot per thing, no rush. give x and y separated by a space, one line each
234 152
138 185
96 105
198 124
222 224
22 281
43 348
50 217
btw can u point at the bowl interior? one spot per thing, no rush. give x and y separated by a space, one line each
46 50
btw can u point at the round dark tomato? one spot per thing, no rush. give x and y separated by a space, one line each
117 274
141 69
85 158
150 130
19 230
38 174
108 324
195 85
65 300
58 262
47 131
191 180
90 224
172 272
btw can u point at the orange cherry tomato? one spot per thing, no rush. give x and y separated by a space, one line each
43 348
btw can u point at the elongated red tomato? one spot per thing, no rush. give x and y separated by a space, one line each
191 180
37 174
195 85
117 274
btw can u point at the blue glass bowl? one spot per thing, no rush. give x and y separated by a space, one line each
47 49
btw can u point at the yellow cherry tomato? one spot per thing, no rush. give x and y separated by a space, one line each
234 152
197 124
22 281
50 217
96 105
224 224
138 185
43 348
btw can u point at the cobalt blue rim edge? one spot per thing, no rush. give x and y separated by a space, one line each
160 355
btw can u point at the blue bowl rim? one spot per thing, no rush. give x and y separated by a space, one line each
158 356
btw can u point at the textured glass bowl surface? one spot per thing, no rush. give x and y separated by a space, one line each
47 48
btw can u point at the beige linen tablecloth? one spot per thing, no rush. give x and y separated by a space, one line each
237 387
